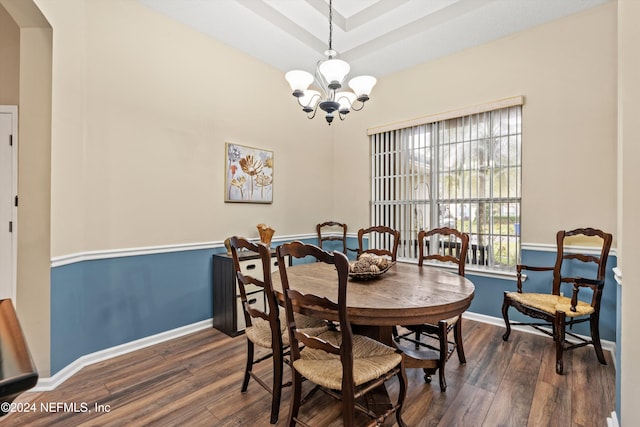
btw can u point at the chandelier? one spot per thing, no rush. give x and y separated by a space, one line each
330 75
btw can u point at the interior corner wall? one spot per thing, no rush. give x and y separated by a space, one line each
31 87
9 59
566 72
34 173
629 206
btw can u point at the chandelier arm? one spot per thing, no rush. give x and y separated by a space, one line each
310 101
361 105
315 110
320 80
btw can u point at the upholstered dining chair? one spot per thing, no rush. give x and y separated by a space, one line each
344 365
264 327
554 310
386 237
446 245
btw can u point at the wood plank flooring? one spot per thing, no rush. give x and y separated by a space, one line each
195 381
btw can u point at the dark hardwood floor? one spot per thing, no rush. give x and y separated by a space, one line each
195 381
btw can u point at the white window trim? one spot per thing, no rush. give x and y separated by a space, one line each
466 111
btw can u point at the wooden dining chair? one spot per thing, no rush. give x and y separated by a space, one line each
18 373
446 245
329 231
554 310
324 236
263 325
383 241
342 364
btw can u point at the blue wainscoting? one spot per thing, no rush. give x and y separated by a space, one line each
103 303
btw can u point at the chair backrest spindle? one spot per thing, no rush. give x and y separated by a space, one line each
389 236
453 244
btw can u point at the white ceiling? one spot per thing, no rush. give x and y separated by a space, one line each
376 37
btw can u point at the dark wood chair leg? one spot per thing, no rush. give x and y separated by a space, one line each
248 368
396 336
594 321
559 337
505 315
296 396
348 410
457 333
444 350
276 389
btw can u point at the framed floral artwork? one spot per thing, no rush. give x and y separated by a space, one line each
248 174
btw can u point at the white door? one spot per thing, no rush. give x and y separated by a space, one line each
8 141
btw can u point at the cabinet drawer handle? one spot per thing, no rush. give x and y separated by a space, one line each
252 301
251 266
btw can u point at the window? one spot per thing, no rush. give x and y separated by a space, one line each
460 172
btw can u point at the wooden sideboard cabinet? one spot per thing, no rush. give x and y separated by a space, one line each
227 307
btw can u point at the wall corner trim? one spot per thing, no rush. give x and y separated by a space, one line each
617 274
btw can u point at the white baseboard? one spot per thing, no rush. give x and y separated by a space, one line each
50 383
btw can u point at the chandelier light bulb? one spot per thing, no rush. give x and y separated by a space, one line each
299 81
362 86
309 100
334 71
345 99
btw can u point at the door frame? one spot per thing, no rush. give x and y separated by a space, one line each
13 111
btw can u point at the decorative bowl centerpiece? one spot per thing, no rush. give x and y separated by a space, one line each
369 266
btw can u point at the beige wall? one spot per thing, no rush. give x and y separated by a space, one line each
34 171
566 72
10 54
629 205
142 108
33 88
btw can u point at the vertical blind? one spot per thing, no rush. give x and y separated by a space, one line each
461 172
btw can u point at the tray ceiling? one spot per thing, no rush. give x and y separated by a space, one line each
375 36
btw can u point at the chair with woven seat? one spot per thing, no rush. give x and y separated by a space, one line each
446 245
263 326
323 236
554 309
344 365
333 231
387 241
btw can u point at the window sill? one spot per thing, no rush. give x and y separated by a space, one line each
473 270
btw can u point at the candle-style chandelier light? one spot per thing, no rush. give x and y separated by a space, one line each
330 75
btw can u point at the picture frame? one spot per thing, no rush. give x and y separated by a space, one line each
248 174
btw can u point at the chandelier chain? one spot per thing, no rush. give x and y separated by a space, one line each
330 25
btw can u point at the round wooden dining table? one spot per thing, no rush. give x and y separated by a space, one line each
406 294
